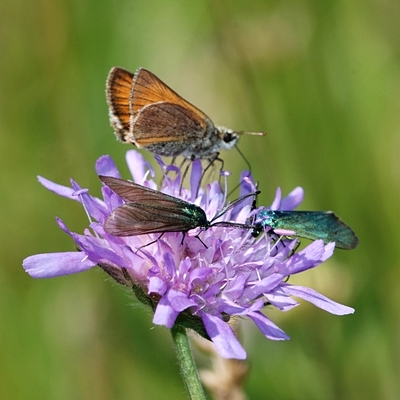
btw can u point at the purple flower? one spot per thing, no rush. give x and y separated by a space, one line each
235 275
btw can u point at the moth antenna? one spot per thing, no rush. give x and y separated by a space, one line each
233 204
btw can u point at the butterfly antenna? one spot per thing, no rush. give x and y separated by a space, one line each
251 133
248 167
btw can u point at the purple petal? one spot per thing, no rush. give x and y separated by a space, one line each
105 165
317 299
264 286
96 251
138 166
165 314
267 327
169 264
199 274
281 300
63 226
58 189
246 183
234 289
276 204
168 185
293 199
179 301
160 162
223 337
232 308
111 198
56 264
313 255
195 178
93 206
157 285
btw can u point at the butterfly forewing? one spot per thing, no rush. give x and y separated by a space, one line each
118 90
148 89
167 123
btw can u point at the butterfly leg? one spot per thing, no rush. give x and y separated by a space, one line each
211 160
185 171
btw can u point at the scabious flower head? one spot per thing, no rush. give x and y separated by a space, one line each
199 284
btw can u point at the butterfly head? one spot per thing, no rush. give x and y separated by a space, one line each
228 137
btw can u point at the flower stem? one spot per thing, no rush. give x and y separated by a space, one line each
187 364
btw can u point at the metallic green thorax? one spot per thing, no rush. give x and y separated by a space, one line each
197 216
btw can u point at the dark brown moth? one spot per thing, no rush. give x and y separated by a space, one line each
145 112
150 211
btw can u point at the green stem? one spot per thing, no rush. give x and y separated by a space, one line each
187 364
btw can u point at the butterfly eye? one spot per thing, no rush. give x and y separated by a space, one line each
229 136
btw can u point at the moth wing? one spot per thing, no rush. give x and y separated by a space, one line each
133 192
135 219
314 225
118 93
339 232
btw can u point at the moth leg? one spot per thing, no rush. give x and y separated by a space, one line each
198 237
183 237
148 244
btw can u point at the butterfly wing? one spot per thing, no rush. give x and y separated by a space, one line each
148 89
146 112
168 129
162 121
118 92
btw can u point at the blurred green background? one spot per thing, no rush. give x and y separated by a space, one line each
321 77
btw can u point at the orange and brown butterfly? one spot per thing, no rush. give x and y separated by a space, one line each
144 111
